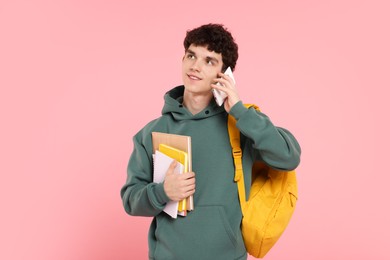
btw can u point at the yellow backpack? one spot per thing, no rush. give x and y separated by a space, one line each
271 203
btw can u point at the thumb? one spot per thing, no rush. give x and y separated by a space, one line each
172 167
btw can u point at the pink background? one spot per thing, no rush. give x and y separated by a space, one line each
79 78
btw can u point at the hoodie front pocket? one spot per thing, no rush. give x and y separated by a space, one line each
204 233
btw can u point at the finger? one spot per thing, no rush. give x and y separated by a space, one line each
191 173
188 175
219 86
222 88
191 187
172 166
221 80
188 184
188 188
226 77
225 82
222 75
189 193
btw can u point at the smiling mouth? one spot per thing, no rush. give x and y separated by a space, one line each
193 77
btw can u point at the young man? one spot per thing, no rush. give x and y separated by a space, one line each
212 229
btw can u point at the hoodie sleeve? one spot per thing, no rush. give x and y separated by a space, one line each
142 197
276 146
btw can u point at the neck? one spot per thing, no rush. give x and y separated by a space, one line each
195 102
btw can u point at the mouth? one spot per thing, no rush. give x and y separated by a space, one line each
193 77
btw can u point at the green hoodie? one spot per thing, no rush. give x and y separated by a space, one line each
212 229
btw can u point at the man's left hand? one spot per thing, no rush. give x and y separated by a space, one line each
229 88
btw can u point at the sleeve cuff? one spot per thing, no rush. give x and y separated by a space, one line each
161 196
238 110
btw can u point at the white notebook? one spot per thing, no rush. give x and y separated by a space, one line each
161 164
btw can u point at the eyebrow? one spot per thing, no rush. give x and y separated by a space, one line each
208 58
190 52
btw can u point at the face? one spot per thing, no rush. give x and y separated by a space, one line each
199 68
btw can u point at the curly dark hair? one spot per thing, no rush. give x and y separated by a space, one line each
217 38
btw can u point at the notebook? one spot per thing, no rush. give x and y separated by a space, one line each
161 163
182 158
180 142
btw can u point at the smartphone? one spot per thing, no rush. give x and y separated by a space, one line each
220 96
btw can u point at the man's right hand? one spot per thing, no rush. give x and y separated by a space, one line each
179 186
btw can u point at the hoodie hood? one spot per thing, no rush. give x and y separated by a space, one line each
174 106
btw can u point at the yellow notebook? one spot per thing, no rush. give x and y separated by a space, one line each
181 157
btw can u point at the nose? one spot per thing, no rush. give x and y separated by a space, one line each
195 66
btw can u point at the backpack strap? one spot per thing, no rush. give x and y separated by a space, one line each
234 135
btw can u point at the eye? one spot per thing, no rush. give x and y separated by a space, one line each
210 62
190 56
